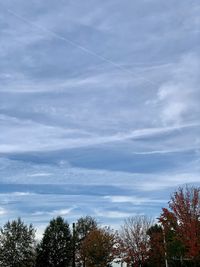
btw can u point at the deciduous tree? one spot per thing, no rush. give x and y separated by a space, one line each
156 246
182 219
83 227
99 248
135 241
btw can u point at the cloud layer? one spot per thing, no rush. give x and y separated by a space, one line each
99 106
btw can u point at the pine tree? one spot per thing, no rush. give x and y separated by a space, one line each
55 247
17 245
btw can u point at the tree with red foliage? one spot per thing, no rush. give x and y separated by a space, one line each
135 240
182 222
99 248
157 246
83 227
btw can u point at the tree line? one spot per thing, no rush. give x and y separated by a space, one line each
174 240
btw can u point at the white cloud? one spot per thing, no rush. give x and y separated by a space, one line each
83 76
60 212
134 200
21 194
40 174
111 214
31 136
40 231
168 181
179 98
3 211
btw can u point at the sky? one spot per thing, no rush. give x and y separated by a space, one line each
99 107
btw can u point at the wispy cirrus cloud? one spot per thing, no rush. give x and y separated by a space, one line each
180 96
99 106
112 214
2 211
61 212
28 136
134 200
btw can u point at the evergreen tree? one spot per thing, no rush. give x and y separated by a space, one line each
17 245
55 247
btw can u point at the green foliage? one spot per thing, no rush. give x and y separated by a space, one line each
55 247
181 226
176 240
83 227
17 245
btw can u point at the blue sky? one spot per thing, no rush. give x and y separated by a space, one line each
99 107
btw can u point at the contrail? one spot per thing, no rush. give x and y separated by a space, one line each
72 43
